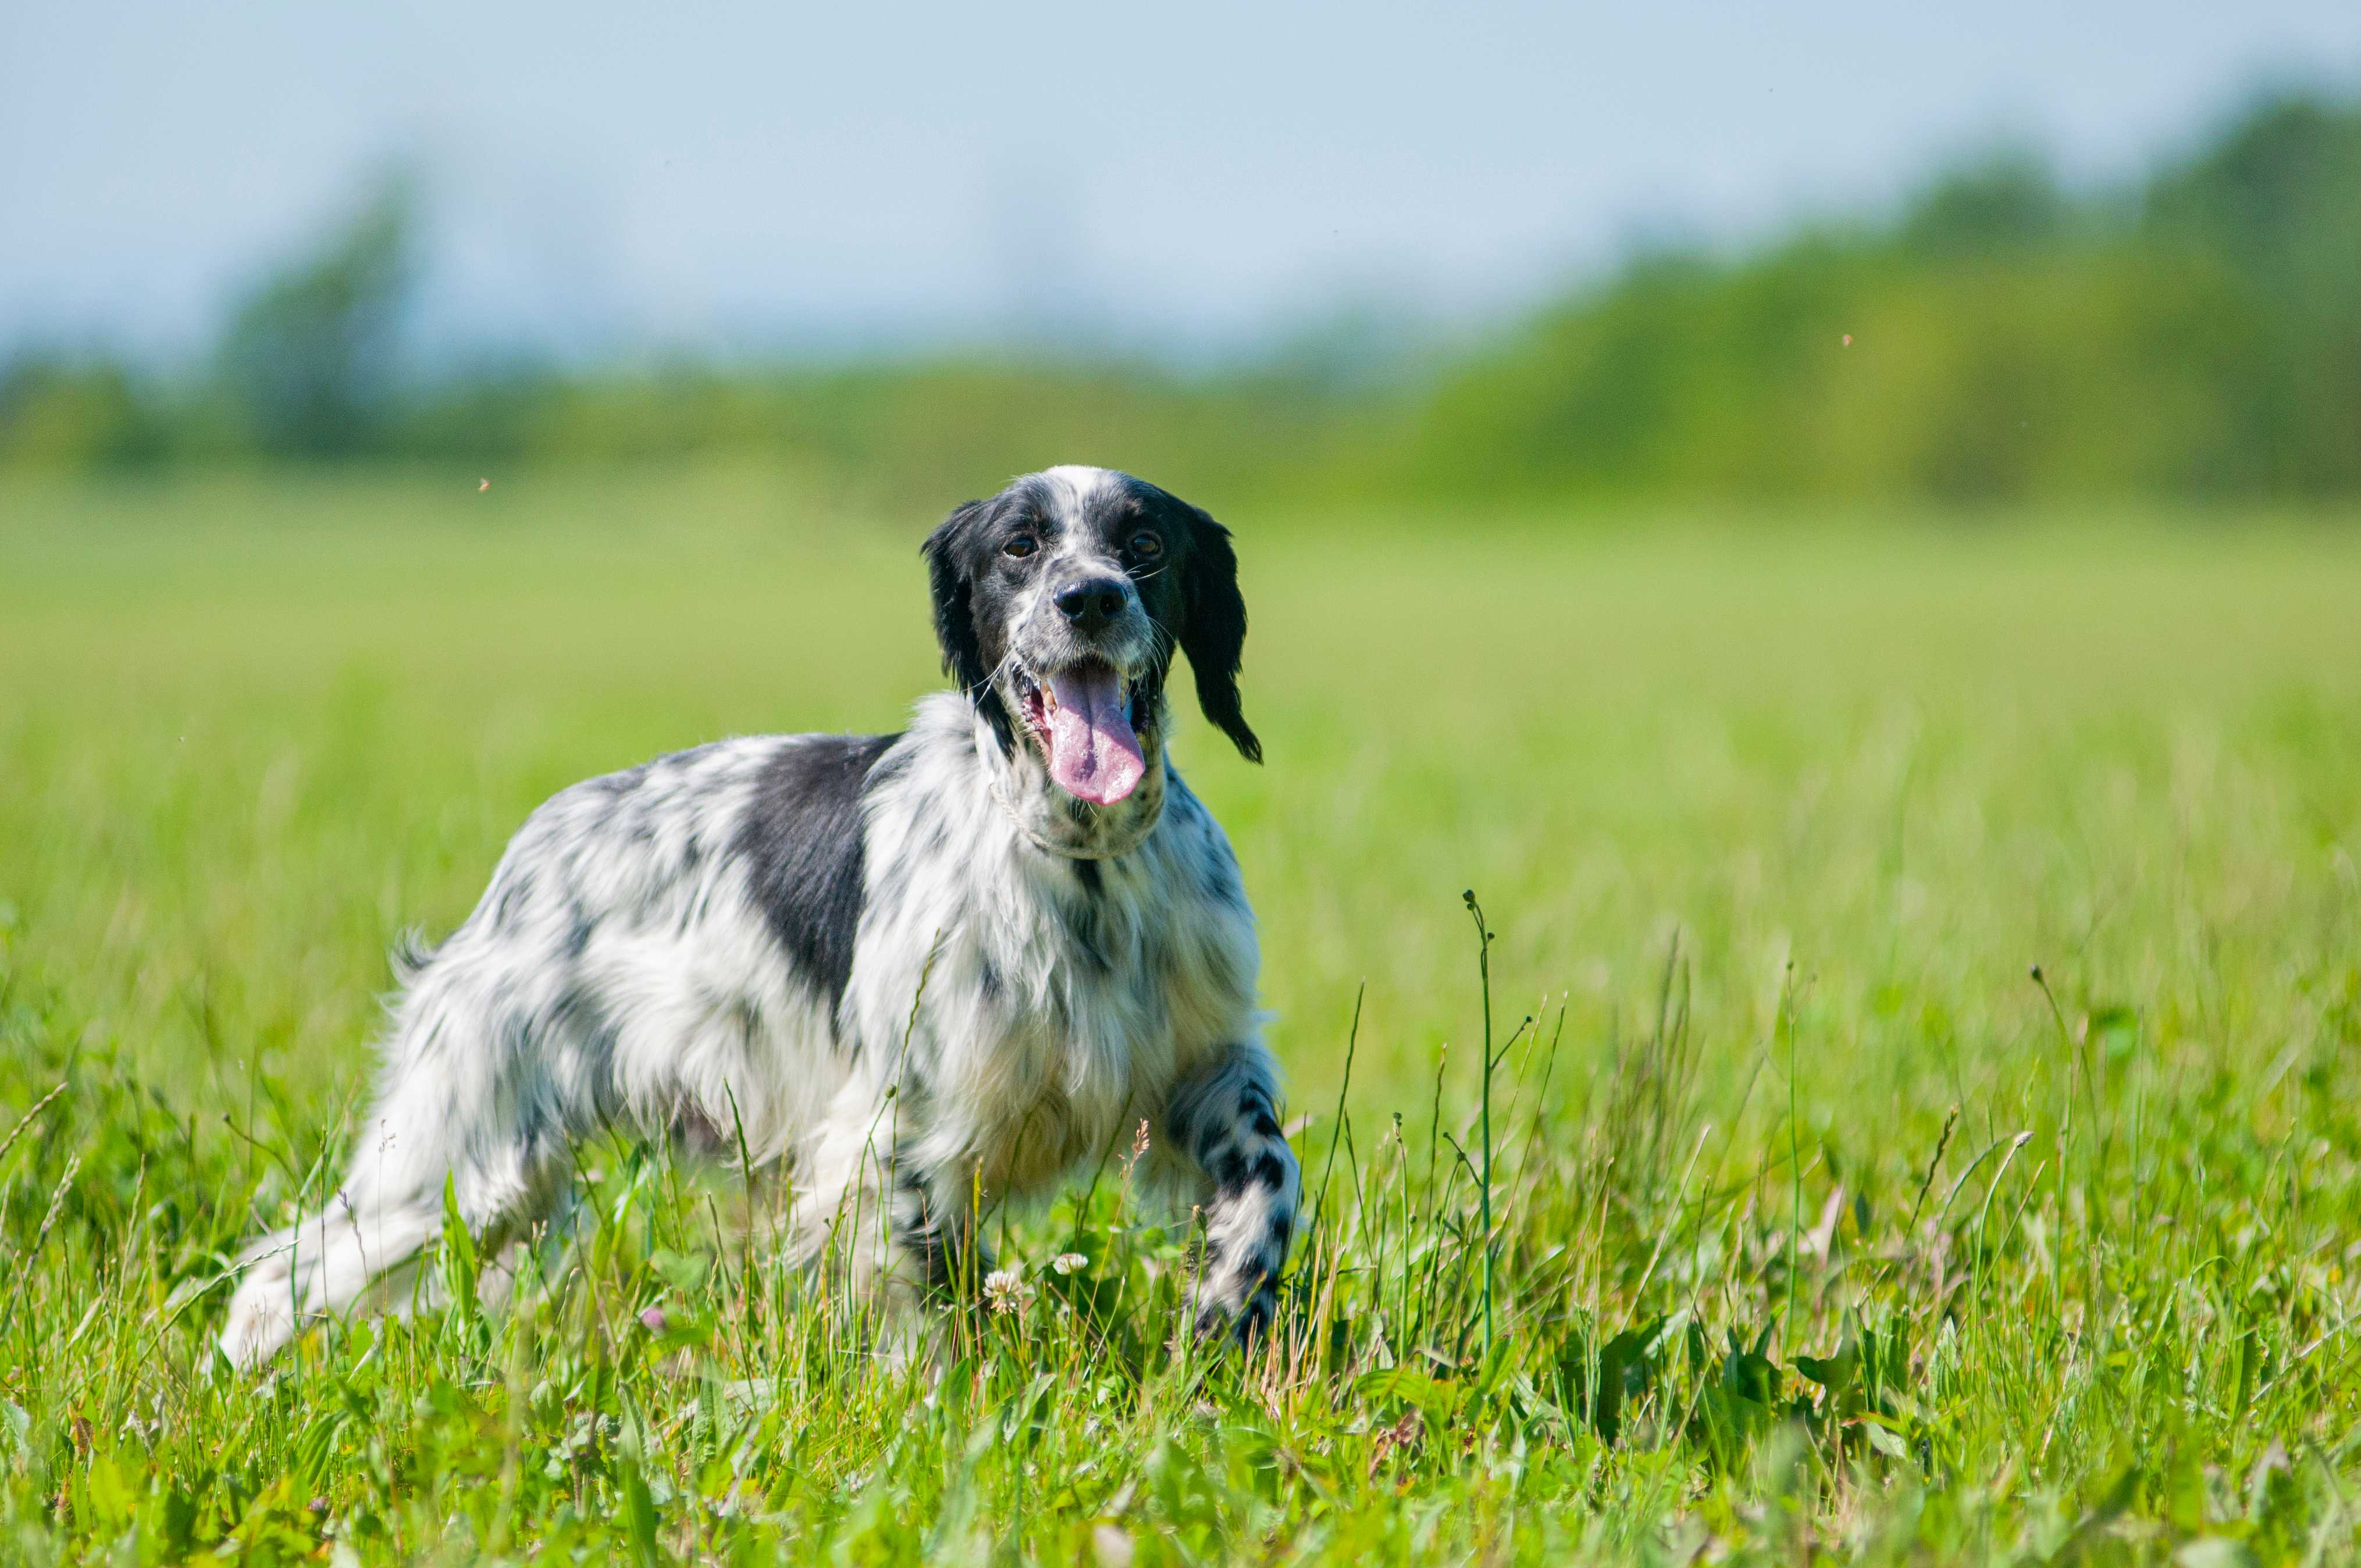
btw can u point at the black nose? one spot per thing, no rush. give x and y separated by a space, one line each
1090 605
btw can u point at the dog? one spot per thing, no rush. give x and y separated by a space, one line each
915 973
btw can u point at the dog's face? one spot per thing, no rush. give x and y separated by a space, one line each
1059 602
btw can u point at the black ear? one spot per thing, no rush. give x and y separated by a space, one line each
954 604
1213 630
949 588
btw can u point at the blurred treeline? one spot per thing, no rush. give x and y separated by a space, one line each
2001 338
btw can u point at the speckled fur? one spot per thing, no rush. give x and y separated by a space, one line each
662 950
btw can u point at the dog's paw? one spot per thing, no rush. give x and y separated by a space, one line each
259 1323
1241 1326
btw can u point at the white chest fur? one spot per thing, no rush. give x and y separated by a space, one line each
1029 1008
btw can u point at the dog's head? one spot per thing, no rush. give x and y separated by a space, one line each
1058 603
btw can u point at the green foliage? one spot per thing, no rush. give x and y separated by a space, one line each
61 416
2001 338
2279 203
1818 1228
954 430
308 357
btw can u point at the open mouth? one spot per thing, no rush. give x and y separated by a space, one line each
1080 716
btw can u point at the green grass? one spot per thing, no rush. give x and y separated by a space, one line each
1818 1226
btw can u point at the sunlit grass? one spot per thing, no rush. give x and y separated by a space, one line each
1818 1222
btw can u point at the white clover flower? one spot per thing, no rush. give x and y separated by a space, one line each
1067 1262
1006 1290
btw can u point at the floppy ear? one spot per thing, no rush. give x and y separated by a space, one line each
954 611
954 604
1213 630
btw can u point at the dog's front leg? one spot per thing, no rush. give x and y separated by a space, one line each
935 1229
1226 1120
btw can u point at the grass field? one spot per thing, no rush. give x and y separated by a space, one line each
1821 1226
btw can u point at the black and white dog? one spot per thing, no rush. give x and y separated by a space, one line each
907 969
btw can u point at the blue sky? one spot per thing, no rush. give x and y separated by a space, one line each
735 177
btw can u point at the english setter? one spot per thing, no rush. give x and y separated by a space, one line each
907 969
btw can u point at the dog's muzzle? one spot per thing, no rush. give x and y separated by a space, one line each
1081 716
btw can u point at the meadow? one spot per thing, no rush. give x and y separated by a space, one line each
1921 1010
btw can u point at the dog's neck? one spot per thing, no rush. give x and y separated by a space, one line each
1055 822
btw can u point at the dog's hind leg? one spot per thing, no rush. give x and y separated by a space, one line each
465 1102
316 1267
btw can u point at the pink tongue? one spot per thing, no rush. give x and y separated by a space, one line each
1093 752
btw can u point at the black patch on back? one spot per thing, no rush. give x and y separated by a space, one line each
802 838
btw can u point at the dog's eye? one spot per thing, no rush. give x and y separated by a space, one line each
1146 546
1020 546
